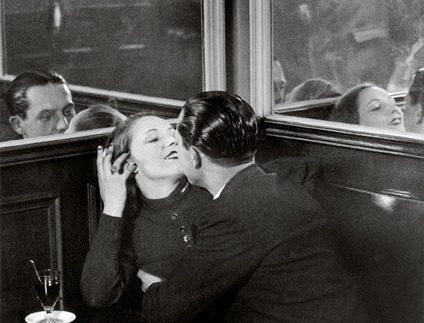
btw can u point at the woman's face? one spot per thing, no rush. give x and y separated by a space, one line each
153 148
377 108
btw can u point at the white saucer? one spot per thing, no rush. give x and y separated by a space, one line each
65 316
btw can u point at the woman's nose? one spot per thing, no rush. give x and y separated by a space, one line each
397 110
170 140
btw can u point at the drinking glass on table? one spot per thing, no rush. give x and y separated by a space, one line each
47 287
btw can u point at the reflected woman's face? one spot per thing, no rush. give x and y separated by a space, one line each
153 148
376 108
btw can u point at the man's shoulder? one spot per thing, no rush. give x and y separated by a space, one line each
267 193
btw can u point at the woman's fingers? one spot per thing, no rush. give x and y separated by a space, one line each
128 169
118 162
99 161
107 165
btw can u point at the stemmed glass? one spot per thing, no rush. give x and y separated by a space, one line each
47 287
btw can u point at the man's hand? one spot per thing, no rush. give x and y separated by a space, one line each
147 279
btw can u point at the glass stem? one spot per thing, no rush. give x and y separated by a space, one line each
48 316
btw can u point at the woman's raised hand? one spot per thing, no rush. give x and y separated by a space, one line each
112 180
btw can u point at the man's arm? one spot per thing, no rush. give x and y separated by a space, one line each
224 255
288 264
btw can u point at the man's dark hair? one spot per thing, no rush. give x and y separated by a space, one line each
16 96
346 108
221 125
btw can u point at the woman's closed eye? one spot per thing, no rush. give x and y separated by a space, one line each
151 137
374 106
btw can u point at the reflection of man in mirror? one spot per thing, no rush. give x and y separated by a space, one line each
40 104
279 81
414 116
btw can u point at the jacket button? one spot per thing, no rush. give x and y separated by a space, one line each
174 216
186 238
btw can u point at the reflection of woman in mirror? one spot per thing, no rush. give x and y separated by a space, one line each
369 105
148 204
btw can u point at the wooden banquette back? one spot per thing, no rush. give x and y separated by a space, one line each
369 185
371 189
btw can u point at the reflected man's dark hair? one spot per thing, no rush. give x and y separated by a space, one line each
416 92
416 89
346 108
16 96
222 126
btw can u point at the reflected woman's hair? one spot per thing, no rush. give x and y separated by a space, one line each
94 117
313 89
346 108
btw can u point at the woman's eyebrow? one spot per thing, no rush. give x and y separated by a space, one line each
372 100
150 130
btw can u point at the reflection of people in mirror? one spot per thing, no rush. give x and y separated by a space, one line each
414 104
313 89
94 117
369 105
40 104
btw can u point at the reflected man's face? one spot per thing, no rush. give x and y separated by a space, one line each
50 109
377 108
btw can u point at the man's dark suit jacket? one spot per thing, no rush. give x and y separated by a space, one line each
262 253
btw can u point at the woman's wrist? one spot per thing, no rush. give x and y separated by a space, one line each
113 211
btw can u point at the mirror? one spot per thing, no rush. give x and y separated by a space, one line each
151 48
323 48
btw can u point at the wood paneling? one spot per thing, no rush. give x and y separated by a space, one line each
370 184
30 229
49 207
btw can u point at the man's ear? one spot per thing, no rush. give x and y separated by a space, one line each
196 157
15 122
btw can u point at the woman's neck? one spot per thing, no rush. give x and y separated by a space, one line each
157 188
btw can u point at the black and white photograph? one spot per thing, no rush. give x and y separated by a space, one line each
212 161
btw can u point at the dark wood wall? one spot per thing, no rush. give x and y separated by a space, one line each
48 210
370 186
